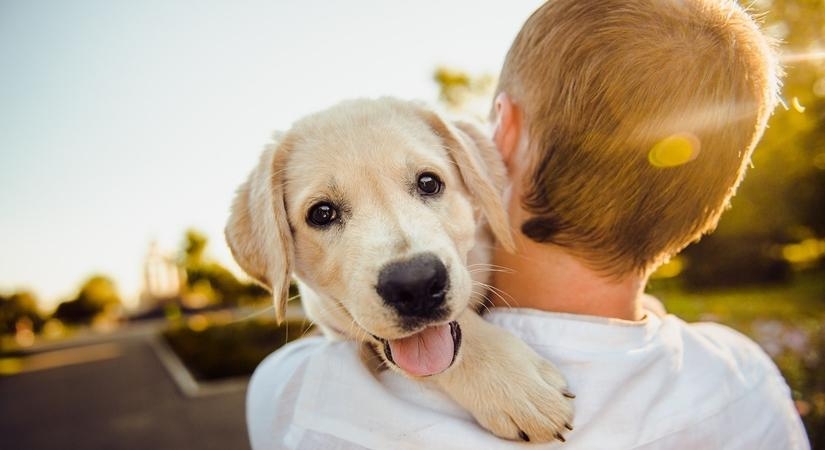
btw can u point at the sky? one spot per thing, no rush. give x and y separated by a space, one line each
123 123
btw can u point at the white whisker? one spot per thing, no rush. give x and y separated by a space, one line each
500 294
253 315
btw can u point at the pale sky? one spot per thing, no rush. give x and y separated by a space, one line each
123 122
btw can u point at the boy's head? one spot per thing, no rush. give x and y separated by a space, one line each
639 118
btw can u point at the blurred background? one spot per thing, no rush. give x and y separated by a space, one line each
125 128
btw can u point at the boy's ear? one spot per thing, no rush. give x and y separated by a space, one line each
258 232
507 132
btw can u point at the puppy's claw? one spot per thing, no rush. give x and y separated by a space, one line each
568 394
530 409
568 426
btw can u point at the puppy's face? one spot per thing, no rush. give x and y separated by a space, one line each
381 222
373 205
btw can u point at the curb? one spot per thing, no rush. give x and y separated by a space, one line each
187 384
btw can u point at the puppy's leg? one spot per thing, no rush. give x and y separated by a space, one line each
506 386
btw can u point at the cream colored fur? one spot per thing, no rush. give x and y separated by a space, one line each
365 156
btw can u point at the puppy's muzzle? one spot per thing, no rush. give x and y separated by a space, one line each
416 288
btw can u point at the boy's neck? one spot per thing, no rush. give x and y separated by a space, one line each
546 277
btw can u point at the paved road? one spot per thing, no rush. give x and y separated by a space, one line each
113 395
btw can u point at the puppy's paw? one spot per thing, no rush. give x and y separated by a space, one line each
507 387
528 401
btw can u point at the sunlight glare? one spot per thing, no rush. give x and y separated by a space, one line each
674 150
797 106
816 55
819 87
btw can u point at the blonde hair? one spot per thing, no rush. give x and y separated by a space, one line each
605 87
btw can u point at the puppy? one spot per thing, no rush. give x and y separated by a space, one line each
383 212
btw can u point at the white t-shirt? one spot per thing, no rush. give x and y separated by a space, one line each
658 383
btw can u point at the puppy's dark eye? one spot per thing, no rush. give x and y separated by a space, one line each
429 184
322 214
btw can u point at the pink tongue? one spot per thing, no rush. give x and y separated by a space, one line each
425 353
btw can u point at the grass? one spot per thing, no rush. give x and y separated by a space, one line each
801 303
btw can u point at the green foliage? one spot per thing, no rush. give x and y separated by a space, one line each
452 85
194 245
737 260
462 92
210 280
16 307
232 349
782 197
97 295
223 285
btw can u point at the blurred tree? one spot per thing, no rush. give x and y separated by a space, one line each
453 85
461 92
17 306
97 295
194 245
782 198
207 282
777 193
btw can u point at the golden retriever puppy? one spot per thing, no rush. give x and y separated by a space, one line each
383 213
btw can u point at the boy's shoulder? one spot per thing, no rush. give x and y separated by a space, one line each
756 406
727 344
662 383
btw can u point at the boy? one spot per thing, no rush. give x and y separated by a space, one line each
626 127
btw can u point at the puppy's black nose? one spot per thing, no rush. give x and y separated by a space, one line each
415 287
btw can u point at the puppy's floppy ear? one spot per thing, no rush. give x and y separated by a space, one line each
258 232
481 170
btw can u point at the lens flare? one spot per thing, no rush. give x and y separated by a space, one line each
674 150
811 56
796 105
